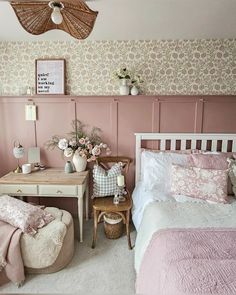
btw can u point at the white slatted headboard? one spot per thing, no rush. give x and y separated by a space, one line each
193 138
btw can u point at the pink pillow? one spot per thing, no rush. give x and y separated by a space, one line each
22 215
206 184
212 161
209 161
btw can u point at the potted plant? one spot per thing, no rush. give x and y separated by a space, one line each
124 77
82 146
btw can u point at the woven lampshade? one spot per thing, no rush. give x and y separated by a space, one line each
35 17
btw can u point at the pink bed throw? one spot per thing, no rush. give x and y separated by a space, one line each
189 261
10 254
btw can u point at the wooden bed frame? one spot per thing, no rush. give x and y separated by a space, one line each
204 141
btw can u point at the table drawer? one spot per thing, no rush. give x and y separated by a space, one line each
18 189
67 190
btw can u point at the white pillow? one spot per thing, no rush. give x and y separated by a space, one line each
156 169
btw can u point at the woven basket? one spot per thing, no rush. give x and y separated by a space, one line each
113 225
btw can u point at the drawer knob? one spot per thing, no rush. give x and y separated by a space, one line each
19 191
59 192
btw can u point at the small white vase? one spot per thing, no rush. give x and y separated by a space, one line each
79 162
124 88
134 90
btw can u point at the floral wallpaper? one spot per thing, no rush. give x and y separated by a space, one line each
167 67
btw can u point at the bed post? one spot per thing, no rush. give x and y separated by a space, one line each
138 157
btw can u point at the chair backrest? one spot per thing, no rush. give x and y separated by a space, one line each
106 161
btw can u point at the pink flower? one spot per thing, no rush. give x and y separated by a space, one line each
93 158
82 140
72 142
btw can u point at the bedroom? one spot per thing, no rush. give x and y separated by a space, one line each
183 51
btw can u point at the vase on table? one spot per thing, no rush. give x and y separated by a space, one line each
124 87
79 162
68 167
134 90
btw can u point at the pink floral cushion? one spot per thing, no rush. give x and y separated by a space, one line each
206 184
209 161
22 215
212 161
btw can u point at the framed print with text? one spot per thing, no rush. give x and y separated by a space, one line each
50 76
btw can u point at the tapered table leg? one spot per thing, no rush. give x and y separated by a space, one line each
80 216
95 226
128 228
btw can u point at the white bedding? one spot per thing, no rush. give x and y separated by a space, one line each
157 215
141 198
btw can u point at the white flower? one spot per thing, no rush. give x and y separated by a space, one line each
96 151
63 144
68 152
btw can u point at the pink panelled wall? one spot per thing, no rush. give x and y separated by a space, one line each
118 116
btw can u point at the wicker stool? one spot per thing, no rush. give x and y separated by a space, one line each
113 225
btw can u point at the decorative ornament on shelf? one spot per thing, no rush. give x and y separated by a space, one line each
124 77
128 78
71 16
135 82
18 152
83 147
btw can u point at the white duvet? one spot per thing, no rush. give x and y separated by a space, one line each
156 215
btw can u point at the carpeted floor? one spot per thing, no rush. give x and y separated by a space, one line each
106 270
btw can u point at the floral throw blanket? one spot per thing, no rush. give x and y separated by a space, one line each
11 264
189 261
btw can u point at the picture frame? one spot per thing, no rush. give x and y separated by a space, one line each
50 76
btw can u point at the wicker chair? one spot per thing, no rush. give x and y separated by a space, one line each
105 205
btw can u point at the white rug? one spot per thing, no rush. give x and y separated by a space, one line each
106 270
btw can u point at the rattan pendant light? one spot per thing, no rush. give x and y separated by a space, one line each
71 16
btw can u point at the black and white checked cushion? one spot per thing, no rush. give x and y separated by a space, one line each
105 181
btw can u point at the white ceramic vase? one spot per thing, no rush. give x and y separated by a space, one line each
79 162
134 90
124 88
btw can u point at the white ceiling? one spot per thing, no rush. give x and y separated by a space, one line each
141 19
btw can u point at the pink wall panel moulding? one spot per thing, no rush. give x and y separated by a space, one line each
119 117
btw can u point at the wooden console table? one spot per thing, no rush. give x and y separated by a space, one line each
51 182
